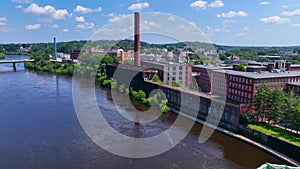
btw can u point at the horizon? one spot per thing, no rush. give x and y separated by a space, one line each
222 45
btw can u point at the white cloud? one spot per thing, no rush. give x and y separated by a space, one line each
3 23
22 1
152 24
47 11
84 10
60 14
115 17
232 14
216 4
65 30
171 18
276 19
6 29
19 6
199 4
229 21
291 13
80 19
241 34
284 6
264 3
193 24
85 26
3 19
294 25
148 25
246 29
55 26
33 27
211 31
138 6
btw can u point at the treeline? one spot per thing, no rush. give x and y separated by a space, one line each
42 62
274 105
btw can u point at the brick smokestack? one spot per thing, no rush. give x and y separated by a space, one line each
137 59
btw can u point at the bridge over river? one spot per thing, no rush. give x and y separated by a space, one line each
14 62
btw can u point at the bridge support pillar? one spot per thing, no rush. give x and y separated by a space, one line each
15 66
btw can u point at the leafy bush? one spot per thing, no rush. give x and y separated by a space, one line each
121 88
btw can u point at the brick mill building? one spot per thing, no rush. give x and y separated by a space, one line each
241 86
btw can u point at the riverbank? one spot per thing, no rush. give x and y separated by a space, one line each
284 135
246 140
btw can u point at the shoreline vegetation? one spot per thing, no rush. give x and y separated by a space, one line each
90 66
277 132
2 56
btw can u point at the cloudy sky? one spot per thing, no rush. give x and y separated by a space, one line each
226 22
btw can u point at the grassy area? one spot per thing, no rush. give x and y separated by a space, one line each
277 132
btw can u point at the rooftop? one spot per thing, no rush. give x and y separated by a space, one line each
294 83
295 65
262 75
163 63
256 67
212 67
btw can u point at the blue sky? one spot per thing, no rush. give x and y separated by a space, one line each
226 22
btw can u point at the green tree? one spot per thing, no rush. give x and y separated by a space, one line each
222 56
156 78
260 101
290 102
176 84
163 106
113 84
2 56
275 104
241 67
122 88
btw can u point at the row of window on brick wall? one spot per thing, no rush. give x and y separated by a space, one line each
240 79
286 79
294 88
241 86
239 99
240 93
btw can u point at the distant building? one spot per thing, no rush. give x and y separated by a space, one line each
171 72
74 54
64 56
203 75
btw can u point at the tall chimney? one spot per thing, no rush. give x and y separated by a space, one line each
137 59
55 51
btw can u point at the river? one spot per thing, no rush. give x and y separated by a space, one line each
39 129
